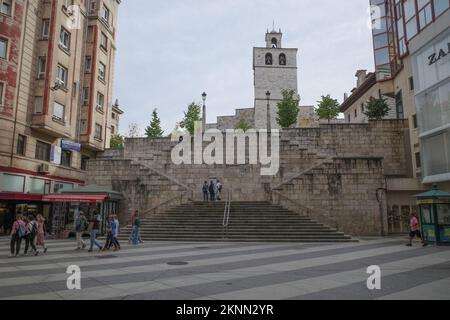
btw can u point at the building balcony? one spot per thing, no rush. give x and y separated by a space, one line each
51 126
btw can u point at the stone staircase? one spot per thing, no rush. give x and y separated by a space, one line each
249 222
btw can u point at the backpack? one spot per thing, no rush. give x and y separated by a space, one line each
21 230
33 230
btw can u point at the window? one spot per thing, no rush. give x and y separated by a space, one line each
88 64
41 68
58 111
104 14
38 105
113 130
3 48
269 59
425 16
66 157
84 161
348 119
282 59
418 160
100 101
399 105
356 113
21 143
415 121
274 43
2 89
440 6
411 83
362 107
98 132
102 71
85 96
104 41
113 115
64 39
61 76
42 151
45 29
6 7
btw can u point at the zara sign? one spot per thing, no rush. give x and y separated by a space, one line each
435 57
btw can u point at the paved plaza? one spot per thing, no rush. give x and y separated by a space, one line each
230 271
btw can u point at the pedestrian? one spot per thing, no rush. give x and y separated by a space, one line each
205 192
218 191
17 234
30 234
40 237
136 236
116 226
94 225
212 194
414 227
109 234
8 221
81 224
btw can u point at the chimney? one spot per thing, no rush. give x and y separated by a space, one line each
345 96
361 75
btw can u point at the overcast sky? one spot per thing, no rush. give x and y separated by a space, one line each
169 52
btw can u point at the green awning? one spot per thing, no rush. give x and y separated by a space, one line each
433 194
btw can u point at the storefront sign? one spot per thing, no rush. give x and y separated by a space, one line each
55 155
70 145
435 57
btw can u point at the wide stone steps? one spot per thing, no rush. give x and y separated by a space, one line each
249 222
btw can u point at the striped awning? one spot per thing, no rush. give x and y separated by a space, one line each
75 198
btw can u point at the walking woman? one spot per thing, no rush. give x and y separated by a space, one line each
30 237
40 238
94 225
17 233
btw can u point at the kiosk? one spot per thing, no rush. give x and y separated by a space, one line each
435 216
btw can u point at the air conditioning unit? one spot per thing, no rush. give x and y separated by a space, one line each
44 169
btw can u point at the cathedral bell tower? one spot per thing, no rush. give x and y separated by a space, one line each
275 69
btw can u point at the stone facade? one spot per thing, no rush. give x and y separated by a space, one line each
331 173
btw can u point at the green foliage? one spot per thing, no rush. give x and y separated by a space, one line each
243 125
191 116
328 108
288 109
377 109
154 129
116 141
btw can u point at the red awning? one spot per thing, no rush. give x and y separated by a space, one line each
73 198
21 196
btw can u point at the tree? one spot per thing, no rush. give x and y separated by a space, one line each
116 141
377 109
191 116
328 108
287 109
243 125
154 129
133 130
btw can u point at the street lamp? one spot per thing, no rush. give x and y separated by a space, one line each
204 95
269 125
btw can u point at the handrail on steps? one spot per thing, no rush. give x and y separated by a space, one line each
226 213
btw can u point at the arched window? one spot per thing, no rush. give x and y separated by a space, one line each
282 59
269 59
274 43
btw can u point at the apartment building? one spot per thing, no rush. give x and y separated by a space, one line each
56 101
403 34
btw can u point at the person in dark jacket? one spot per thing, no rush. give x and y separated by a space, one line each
212 191
205 191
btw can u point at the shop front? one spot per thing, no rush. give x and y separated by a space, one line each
67 205
435 216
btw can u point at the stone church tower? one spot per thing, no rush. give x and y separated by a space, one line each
275 69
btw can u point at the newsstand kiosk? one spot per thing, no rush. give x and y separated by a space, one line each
435 216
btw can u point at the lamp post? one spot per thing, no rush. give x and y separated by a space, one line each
269 124
204 95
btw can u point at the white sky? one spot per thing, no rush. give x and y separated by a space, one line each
169 52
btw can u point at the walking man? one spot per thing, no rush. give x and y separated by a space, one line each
95 229
414 230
